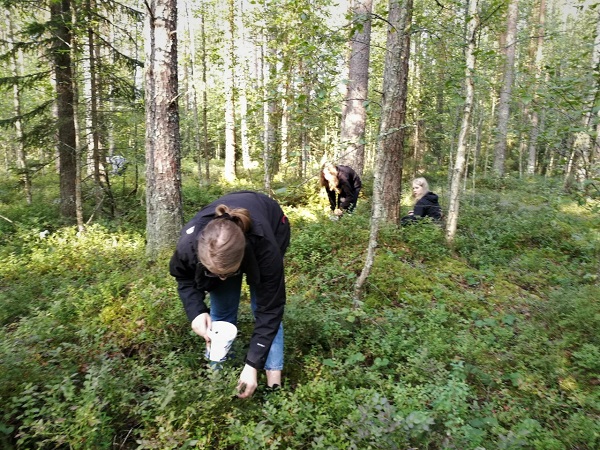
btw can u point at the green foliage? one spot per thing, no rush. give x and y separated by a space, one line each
494 346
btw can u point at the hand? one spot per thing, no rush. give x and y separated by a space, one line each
248 382
338 212
201 324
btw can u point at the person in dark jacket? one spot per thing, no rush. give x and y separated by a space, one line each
426 203
240 233
342 185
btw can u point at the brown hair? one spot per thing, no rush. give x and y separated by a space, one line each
222 242
331 170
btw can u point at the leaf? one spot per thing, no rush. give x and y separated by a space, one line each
353 359
379 362
509 319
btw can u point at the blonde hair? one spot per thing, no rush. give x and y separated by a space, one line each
424 184
333 183
222 243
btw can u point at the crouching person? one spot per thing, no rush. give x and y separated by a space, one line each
240 233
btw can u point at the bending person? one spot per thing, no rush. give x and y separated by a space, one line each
343 185
426 204
240 233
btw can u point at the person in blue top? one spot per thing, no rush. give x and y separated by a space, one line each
342 185
426 204
242 232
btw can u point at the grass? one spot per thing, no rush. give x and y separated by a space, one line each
492 344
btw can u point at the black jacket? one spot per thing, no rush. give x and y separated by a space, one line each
349 184
426 206
266 243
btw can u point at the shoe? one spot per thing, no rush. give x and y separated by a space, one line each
272 389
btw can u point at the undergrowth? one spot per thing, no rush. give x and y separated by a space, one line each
492 344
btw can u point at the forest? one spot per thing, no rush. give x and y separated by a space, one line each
120 120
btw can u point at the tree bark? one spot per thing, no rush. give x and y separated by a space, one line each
193 92
19 141
96 160
388 164
229 62
532 159
244 50
459 163
164 216
354 113
388 173
591 148
60 12
506 89
268 112
204 98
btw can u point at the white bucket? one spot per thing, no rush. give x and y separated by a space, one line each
222 334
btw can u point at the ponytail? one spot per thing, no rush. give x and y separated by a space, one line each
222 243
239 216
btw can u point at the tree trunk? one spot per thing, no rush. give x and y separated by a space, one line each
459 163
478 145
98 161
164 216
244 51
285 120
388 164
78 134
354 114
194 92
506 89
268 113
22 165
204 99
489 144
78 192
60 12
391 135
229 62
532 159
592 149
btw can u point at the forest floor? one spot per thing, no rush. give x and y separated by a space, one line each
491 344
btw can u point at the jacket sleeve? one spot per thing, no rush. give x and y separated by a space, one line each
185 272
270 302
350 185
357 184
331 195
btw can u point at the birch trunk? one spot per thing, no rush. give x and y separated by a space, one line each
532 158
229 62
506 90
204 99
459 163
19 141
193 91
244 51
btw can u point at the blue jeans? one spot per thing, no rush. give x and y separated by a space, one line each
224 304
